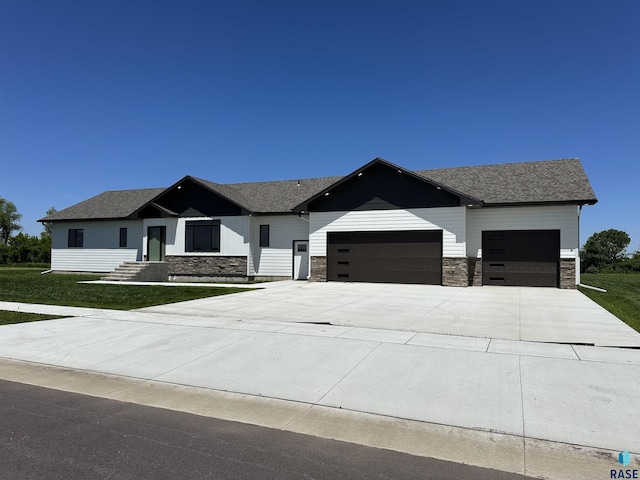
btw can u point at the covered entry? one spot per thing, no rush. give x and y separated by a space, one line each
390 257
521 257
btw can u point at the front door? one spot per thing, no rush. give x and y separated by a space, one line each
300 259
156 243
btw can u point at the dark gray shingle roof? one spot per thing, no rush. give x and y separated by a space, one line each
282 196
111 204
270 197
551 181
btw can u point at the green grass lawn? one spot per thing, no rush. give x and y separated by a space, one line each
7 318
622 297
28 286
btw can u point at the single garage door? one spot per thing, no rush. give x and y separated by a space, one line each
390 257
521 257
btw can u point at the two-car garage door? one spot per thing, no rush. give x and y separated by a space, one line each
391 257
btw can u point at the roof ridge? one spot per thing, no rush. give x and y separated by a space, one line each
132 190
326 177
536 162
288 180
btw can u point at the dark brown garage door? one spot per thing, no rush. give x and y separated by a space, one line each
390 257
521 257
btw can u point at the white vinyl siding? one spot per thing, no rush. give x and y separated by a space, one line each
451 220
100 251
553 217
91 259
276 260
234 235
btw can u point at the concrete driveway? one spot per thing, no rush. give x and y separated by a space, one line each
497 377
510 313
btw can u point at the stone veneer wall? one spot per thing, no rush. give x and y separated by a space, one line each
474 271
568 273
454 272
318 269
205 266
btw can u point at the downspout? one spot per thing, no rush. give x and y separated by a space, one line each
578 260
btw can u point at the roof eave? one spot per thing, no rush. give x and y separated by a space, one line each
88 219
541 203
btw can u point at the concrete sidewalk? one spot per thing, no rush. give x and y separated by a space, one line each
59 310
517 399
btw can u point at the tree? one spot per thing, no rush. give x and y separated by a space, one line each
48 226
9 218
632 262
605 249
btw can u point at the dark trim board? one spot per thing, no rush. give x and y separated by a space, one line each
529 258
413 256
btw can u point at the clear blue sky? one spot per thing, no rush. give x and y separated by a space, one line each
106 95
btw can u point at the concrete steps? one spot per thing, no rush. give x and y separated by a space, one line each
139 272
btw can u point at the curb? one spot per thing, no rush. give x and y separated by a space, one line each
510 453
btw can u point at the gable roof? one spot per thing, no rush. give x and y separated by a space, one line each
542 182
111 204
550 181
381 161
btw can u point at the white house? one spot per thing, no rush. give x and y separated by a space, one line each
506 224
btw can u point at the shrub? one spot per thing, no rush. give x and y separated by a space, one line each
26 249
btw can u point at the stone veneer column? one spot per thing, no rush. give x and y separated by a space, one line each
318 269
454 272
474 270
568 273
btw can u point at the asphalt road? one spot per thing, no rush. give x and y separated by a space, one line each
52 434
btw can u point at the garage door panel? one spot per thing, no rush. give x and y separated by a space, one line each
399 264
523 267
523 279
396 250
395 237
521 257
390 257
388 276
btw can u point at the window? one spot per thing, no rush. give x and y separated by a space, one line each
202 236
123 237
76 237
264 235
